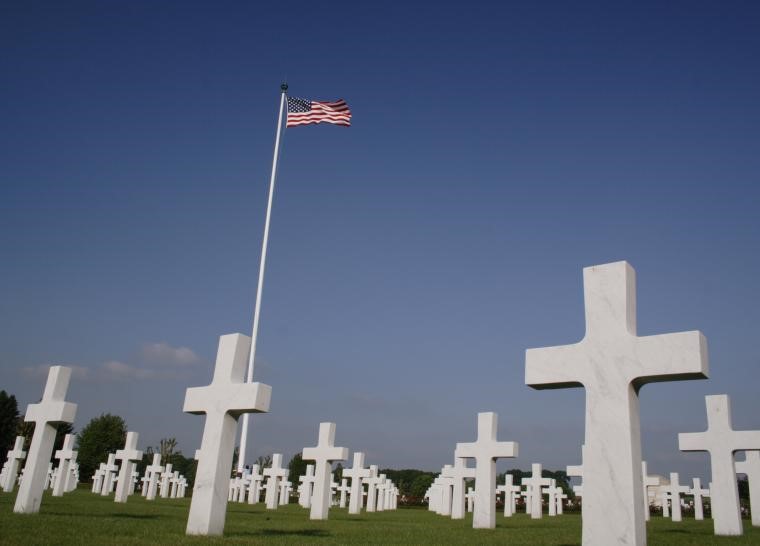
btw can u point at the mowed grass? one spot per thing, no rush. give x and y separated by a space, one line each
83 518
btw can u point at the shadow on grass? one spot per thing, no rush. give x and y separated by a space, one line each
283 533
681 531
113 515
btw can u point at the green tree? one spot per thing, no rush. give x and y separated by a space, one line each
166 447
9 419
101 436
296 468
420 484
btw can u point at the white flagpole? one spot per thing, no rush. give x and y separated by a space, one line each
257 308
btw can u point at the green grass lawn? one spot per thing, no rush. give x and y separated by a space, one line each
83 518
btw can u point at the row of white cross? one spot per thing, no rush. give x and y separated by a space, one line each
611 363
164 481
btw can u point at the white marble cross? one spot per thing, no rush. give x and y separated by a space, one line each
323 455
535 483
751 467
458 474
97 478
275 473
109 470
254 492
698 493
15 456
126 456
674 491
223 401
372 482
343 489
307 484
153 471
721 441
612 363
647 481
46 416
165 485
65 456
446 483
554 492
510 494
576 471
485 451
357 473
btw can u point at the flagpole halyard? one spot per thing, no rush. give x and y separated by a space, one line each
260 286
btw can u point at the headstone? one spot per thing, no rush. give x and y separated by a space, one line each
535 483
751 467
458 474
444 482
471 497
307 484
97 478
372 482
343 489
357 473
323 455
721 441
223 401
166 476
64 455
47 415
612 363
664 494
485 451
126 456
154 471
698 494
647 482
254 493
510 495
674 492
275 473
15 456
109 471
554 492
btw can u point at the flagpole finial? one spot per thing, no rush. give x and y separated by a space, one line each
284 87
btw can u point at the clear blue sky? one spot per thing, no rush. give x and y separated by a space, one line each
496 150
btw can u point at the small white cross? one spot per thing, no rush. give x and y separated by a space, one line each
323 455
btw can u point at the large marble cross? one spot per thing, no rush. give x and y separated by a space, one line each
751 467
46 416
323 455
65 456
357 473
612 363
485 450
697 491
458 473
223 401
126 456
721 441
15 456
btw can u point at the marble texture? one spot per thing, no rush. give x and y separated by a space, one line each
126 456
721 441
223 401
323 455
751 467
485 450
612 363
51 411
357 473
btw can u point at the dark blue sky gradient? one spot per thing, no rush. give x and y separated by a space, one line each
495 151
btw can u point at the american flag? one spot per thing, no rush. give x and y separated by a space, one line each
305 112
